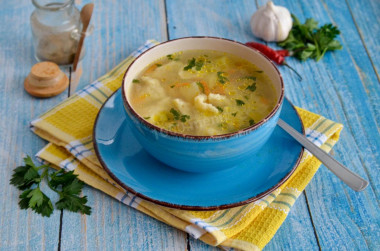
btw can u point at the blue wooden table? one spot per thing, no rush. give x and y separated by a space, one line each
344 86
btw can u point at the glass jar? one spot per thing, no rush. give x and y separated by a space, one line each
56 27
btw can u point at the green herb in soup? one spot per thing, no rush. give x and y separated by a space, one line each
202 92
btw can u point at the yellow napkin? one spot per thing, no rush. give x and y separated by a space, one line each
68 128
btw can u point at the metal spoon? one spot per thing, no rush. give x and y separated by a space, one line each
350 178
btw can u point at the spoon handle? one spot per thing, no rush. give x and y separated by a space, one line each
350 178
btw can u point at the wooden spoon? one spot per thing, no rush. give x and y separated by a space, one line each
85 16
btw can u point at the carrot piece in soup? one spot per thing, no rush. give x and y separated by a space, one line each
151 69
206 88
218 89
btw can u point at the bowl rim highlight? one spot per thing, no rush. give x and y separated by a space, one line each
246 130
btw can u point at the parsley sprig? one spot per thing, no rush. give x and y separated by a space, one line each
308 41
28 178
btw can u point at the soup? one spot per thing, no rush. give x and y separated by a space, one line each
202 92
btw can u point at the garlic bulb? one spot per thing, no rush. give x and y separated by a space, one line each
271 22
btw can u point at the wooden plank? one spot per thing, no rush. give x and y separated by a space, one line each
20 229
114 226
120 28
366 15
334 87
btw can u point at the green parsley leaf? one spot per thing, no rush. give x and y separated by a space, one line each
198 65
146 117
66 184
60 178
175 113
308 41
37 201
24 177
251 87
158 65
221 78
172 86
29 162
178 116
234 114
190 64
251 122
73 203
239 102
171 57
220 109
184 118
135 81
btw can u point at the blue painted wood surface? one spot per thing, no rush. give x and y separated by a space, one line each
343 86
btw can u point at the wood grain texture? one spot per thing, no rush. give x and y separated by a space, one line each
343 86
343 219
19 229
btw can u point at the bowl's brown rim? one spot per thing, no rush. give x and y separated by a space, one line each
187 207
195 137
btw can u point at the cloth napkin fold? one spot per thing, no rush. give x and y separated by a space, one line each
68 128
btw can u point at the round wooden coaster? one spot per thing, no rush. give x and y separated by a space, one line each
45 80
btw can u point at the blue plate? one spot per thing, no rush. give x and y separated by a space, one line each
135 170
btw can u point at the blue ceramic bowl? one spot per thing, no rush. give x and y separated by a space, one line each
202 153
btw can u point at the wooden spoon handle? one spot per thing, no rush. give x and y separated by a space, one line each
85 15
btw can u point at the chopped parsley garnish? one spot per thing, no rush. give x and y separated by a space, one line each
234 114
172 86
146 117
178 116
190 64
184 117
220 108
171 57
135 81
198 64
158 65
251 87
246 97
239 102
201 87
222 79
259 71
251 122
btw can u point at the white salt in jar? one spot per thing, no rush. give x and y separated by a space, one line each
56 28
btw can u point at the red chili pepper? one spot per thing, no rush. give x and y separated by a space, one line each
276 56
284 53
267 51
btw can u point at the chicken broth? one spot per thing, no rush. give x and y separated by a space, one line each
202 92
